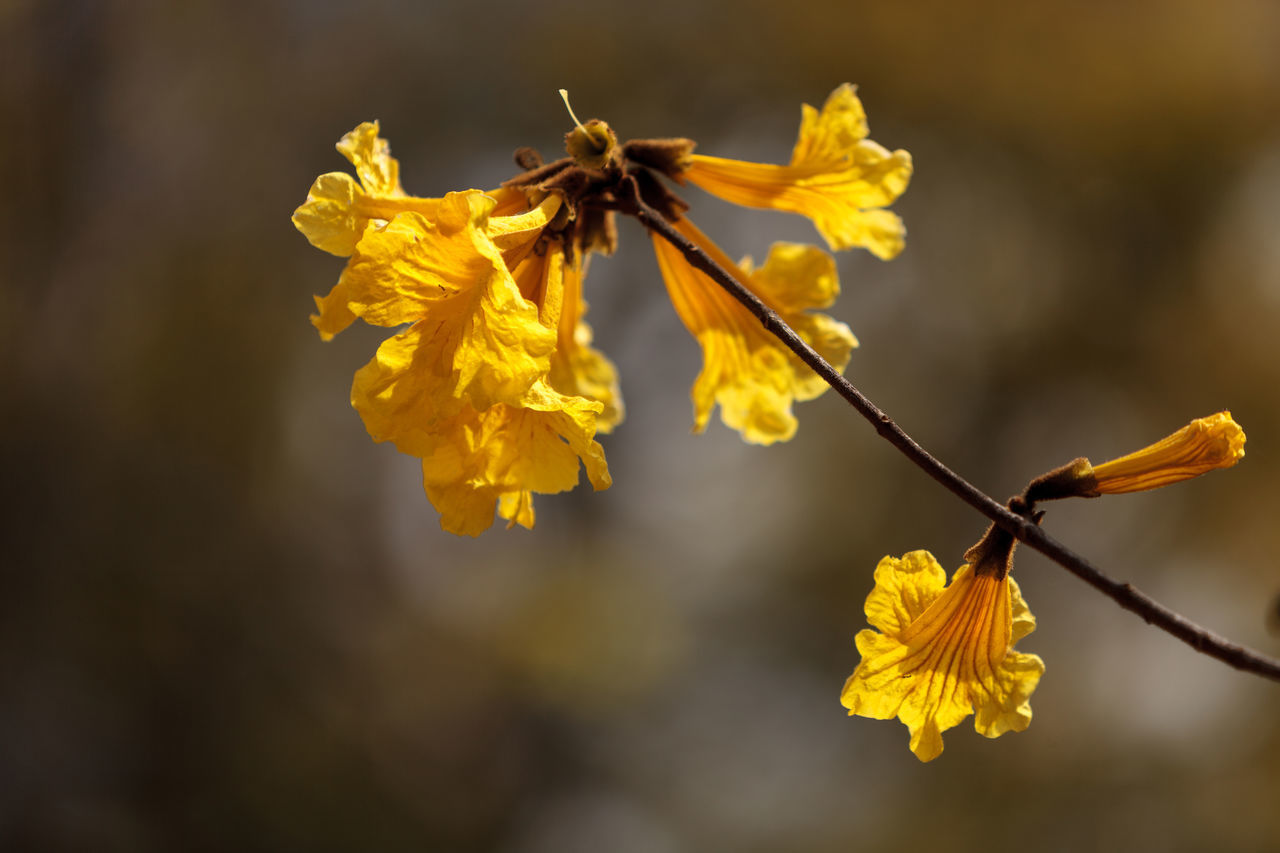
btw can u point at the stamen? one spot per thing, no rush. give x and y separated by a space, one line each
564 96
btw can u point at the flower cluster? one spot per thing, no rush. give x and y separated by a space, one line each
940 653
494 384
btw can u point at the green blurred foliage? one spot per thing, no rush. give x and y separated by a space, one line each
230 621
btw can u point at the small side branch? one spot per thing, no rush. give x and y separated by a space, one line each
1022 528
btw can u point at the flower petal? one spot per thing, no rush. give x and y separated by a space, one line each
400 270
454 356
496 458
904 589
517 508
333 314
401 395
371 155
518 230
828 135
328 218
577 368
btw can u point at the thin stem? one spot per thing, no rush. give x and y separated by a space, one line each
1024 529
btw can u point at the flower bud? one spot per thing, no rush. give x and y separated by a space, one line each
1199 447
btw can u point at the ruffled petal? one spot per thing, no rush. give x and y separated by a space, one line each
827 136
1024 622
479 461
400 271
574 419
327 218
401 394
379 172
904 589
453 356
333 315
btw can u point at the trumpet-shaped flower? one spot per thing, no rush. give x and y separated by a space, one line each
940 653
750 373
837 177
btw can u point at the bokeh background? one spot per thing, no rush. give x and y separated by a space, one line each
230 621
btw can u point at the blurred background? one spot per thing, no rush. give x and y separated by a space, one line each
231 622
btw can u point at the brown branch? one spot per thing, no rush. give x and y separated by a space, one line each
1022 528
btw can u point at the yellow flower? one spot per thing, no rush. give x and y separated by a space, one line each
749 372
1199 447
941 654
837 177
